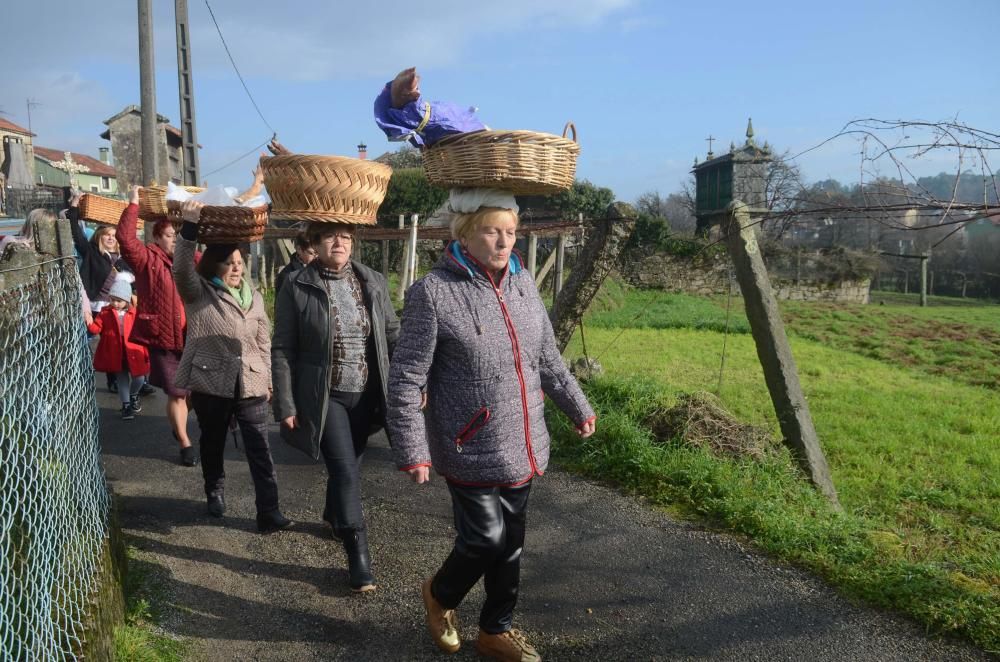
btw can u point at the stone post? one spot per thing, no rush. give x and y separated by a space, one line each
773 350
598 258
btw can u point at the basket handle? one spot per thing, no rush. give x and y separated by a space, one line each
570 127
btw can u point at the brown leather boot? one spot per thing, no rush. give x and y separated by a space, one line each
441 623
510 646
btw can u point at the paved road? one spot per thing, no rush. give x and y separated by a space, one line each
604 578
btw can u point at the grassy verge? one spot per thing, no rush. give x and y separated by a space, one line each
140 639
914 456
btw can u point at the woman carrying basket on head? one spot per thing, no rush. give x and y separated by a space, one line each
475 334
160 321
335 330
226 365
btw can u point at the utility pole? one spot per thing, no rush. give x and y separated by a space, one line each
147 94
185 84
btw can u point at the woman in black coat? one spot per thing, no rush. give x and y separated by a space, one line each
334 331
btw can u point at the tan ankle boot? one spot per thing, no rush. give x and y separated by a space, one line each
441 623
510 646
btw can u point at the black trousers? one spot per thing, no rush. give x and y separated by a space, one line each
490 524
343 444
251 414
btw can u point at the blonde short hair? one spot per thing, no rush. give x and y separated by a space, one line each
464 226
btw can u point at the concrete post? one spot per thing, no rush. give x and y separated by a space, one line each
923 279
185 86
773 350
147 94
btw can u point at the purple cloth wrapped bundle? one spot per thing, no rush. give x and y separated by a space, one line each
421 122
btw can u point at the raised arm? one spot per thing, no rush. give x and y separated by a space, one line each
185 277
132 249
73 214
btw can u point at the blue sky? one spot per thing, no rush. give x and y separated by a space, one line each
645 82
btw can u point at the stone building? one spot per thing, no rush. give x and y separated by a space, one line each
740 174
14 137
126 143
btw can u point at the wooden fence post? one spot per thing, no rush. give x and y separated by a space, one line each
773 350
532 254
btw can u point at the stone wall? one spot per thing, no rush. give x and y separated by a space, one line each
708 274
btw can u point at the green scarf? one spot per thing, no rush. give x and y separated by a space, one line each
243 294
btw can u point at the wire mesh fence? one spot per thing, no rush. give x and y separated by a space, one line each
54 502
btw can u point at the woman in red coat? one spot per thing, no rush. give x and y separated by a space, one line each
160 320
128 361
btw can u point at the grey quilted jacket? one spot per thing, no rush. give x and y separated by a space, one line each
485 355
225 344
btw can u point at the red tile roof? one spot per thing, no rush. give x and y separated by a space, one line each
10 126
94 166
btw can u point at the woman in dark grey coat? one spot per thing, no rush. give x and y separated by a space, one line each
476 338
334 331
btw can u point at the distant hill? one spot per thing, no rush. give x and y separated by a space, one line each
971 187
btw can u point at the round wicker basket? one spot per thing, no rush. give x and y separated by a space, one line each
153 201
333 189
100 209
226 225
522 162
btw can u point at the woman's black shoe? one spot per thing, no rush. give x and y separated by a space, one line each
359 563
146 390
216 505
188 456
272 521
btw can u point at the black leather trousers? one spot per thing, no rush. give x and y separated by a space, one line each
490 524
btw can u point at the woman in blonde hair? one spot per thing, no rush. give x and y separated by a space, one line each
476 338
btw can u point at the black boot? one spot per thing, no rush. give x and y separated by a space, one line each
216 505
272 521
359 563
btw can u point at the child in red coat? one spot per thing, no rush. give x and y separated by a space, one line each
115 354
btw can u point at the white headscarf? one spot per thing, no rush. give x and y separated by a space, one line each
469 200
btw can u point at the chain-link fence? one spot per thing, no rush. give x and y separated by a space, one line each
54 502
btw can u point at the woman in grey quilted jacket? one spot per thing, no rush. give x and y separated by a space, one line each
226 365
477 339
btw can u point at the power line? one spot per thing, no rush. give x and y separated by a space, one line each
236 69
238 158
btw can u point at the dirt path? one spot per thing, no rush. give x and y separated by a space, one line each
604 577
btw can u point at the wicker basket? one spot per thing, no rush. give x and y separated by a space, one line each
100 209
334 189
153 201
522 162
226 225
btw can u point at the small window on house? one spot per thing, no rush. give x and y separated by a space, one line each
106 183
93 188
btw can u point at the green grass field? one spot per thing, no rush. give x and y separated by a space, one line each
904 401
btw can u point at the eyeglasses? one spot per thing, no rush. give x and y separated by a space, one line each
342 236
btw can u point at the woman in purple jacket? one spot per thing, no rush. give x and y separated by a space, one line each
476 339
